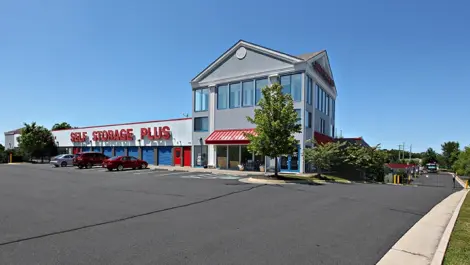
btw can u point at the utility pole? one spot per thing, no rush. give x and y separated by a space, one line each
399 152
410 150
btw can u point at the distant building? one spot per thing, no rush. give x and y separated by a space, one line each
11 138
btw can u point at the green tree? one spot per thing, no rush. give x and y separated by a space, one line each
367 160
430 156
36 141
450 153
2 148
61 126
324 155
276 123
462 165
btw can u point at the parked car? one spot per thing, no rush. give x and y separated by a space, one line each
62 160
88 159
122 162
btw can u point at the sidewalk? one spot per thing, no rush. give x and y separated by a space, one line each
427 240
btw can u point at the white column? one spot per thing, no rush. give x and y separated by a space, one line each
212 103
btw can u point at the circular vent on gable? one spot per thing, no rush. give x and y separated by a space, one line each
241 53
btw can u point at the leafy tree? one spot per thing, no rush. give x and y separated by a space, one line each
61 126
430 156
369 161
324 155
2 148
462 165
36 141
450 153
276 123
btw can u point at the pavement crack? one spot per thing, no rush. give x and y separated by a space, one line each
129 217
412 253
407 212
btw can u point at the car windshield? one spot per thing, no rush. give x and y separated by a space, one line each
114 158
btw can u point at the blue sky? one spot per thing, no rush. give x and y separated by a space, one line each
401 67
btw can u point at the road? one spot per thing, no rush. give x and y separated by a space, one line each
70 216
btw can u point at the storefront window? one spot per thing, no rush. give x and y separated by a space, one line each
221 151
201 124
200 155
234 156
247 158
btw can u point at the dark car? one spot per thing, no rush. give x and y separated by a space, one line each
88 159
122 162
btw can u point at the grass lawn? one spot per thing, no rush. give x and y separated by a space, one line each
314 177
458 250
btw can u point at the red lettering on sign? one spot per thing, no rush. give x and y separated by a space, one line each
110 135
165 132
157 133
105 135
130 134
143 132
323 74
95 136
116 135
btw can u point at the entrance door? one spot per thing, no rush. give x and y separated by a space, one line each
291 162
177 156
187 156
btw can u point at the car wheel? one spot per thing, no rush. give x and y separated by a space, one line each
63 164
120 168
80 166
143 166
89 165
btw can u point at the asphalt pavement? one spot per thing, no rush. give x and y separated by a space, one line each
71 216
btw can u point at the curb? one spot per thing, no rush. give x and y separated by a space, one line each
428 231
276 182
444 242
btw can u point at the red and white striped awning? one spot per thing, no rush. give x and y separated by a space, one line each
234 136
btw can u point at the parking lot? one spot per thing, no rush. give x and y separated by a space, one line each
92 216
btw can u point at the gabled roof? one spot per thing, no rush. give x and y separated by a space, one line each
277 54
17 131
308 56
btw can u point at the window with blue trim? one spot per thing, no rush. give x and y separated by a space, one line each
317 98
235 95
201 99
292 84
248 93
201 124
260 84
285 83
299 116
222 97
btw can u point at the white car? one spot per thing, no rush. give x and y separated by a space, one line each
62 160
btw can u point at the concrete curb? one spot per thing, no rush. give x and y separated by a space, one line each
442 247
274 181
419 244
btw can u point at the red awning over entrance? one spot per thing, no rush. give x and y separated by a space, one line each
235 136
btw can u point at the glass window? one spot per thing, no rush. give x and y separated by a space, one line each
327 104
308 119
234 156
317 99
333 109
222 97
201 124
201 99
296 87
309 90
285 83
248 93
200 155
235 92
247 158
299 116
260 84
332 130
221 156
